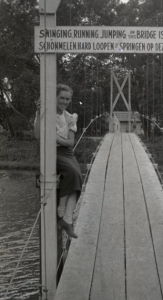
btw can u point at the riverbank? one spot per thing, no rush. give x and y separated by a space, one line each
18 154
25 154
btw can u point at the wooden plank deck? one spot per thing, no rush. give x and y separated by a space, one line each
119 252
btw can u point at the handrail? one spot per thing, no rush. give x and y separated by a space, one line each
152 121
85 129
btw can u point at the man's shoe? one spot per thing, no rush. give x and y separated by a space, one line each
68 228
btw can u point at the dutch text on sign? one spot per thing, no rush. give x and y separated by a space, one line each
99 39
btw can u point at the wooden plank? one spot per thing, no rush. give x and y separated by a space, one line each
154 199
81 279
142 279
109 274
75 282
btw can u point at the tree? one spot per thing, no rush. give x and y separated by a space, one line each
145 92
17 58
82 72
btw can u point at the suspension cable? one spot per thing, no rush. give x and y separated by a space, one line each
147 94
153 98
85 129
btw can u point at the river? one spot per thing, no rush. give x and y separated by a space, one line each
19 206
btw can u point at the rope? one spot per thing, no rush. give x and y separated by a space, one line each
22 253
61 257
153 98
151 120
147 73
85 129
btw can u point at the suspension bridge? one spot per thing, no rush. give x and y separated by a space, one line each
118 254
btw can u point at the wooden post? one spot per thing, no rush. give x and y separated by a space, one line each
48 157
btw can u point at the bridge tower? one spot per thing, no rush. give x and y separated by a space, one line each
120 120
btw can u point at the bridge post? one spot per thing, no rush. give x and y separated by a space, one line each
48 157
113 102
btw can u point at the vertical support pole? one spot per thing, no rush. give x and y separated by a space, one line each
111 103
147 95
129 100
48 158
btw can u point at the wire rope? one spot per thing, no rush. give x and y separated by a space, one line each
84 131
153 96
147 94
97 111
70 23
161 65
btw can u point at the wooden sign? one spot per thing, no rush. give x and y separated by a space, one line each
86 39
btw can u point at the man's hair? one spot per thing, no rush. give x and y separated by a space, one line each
63 87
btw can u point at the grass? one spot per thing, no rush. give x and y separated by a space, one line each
25 153
21 151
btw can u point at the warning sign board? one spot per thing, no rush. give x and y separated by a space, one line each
86 39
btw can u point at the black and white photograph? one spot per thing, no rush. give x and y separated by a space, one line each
81 149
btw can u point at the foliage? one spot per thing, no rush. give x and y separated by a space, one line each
89 75
84 72
16 53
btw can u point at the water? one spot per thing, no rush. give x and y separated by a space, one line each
19 206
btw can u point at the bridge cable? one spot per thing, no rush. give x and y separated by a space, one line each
147 95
